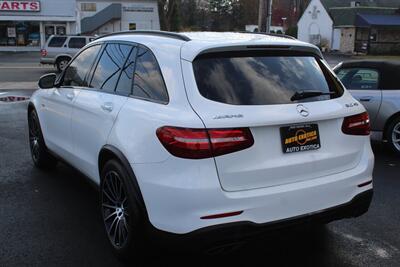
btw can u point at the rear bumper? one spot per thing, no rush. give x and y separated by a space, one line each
176 201
237 232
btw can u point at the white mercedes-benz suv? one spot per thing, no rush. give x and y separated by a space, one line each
224 135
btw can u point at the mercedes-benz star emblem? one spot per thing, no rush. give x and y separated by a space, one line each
303 111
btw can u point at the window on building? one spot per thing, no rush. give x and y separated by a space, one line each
359 78
19 33
148 80
77 42
132 26
109 66
90 7
75 74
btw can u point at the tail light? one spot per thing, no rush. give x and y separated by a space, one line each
204 143
43 52
357 124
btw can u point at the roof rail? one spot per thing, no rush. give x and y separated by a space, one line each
272 34
155 33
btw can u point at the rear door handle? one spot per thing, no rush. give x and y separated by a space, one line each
107 107
366 98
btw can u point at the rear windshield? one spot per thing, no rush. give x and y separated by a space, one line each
57 41
262 78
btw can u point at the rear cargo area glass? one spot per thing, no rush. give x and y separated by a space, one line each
256 79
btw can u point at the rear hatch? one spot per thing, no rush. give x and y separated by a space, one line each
293 106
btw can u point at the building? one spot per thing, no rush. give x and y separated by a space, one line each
102 17
377 34
341 29
316 25
348 31
285 13
26 25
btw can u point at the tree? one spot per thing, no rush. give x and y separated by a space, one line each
169 14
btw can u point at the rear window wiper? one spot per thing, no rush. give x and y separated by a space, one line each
306 94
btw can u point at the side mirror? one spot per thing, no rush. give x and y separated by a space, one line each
47 81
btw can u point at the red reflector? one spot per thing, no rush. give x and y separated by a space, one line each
222 215
43 52
357 124
203 143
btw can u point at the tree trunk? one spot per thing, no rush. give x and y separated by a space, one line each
262 22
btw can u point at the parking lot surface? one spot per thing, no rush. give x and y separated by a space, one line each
52 218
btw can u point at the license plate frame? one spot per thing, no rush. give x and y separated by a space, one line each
300 138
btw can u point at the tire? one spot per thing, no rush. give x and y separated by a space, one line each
62 63
393 135
41 157
123 219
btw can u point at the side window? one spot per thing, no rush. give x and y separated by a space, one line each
125 81
108 68
148 81
57 41
76 72
77 42
359 78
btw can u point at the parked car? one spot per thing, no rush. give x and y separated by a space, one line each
59 49
376 85
205 136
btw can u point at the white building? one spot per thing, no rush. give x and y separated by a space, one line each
26 25
316 25
102 17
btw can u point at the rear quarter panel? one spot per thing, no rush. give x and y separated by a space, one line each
390 106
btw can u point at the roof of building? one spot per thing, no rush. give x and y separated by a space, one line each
371 3
346 16
365 20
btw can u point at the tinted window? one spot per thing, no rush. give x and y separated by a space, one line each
77 42
359 79
257 78
148 81
76 72
57 41
108 68
125 81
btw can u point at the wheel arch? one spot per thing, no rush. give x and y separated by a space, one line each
109 152
59 57
388 122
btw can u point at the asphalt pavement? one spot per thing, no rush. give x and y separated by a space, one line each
21 70
52 218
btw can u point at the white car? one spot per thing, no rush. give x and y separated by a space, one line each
224 135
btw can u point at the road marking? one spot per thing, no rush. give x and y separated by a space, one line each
383 251
24 67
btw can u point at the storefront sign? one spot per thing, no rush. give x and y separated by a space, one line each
137 9
27 6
